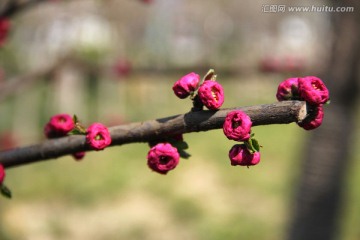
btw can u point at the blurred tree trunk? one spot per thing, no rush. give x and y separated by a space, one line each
319 197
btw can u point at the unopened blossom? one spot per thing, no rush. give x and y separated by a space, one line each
78 156
4 30
98 136
59 125
185 85
211 94
288 90
315 118
240 155
162 158
122 68
313 90
237 126
2 173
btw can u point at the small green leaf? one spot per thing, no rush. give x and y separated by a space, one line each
193 94
210 75
75 119
5 191
180 145
255 144
328 102
252 145
80 128
249 146
183 154
76 131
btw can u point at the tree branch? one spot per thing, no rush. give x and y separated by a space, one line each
20 83
13 7
276 113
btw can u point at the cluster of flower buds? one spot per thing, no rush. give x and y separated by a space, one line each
207 92
60 125
310 89
237 127
164 155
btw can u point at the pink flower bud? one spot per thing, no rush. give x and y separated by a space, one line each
288 90
240 155
211 94
2 173
59 125
237 126
79 155
163 157
314 119
185 85
4 30
313 90
122 68
98 136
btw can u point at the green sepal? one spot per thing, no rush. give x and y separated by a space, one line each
78 129
210 75
183 154
193 94
5 191
75 119
328 102
249 146
252 145
255 144
180 146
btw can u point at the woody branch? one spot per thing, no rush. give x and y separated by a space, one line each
276 113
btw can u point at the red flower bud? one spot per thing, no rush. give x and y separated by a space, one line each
2 173
237 126
4 30
163 157
211 94
79 155
122 68
315 118
58 126
313 90
240 155
288 90
98 136
185 85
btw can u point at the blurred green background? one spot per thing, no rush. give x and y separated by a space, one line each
121 60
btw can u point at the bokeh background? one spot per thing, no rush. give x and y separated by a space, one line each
115 62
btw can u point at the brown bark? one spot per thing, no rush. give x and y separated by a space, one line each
277 113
